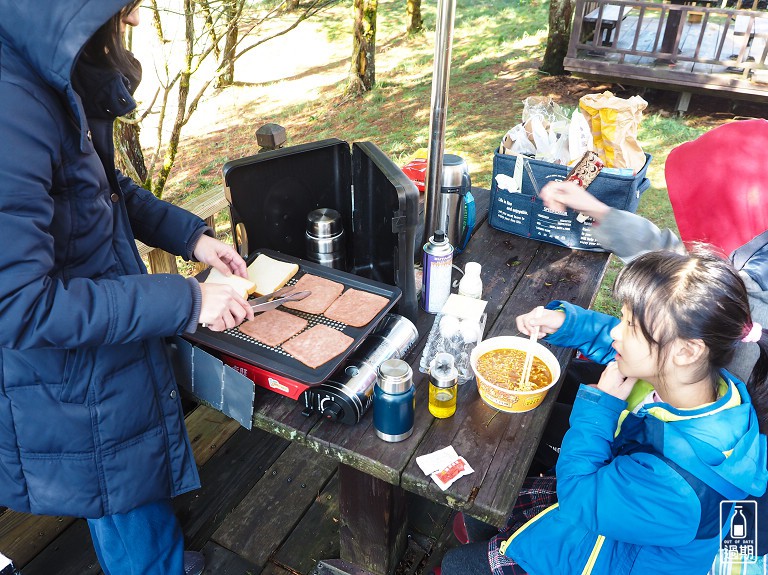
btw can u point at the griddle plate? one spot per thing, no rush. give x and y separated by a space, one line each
240 346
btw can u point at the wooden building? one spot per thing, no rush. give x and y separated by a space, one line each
690 47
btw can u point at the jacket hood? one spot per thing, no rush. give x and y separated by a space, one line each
49 34
720 442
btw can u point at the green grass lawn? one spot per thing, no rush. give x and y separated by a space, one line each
497 48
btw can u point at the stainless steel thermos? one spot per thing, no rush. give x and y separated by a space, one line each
394 401
457 210
325 238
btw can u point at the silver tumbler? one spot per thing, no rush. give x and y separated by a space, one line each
325 238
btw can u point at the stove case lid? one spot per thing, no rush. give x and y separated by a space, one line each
270 195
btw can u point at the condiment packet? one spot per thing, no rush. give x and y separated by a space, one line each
444 466
448 475
437 460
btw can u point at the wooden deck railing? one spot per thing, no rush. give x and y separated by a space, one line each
673 46
207 206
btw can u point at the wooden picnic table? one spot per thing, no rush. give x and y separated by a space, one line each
518 274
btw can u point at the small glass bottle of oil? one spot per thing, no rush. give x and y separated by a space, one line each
443 386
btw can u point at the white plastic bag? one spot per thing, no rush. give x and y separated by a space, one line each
516 141
579 137
543 133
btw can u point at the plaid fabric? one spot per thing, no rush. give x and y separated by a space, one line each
535 496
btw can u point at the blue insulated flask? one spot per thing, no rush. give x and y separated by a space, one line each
394 401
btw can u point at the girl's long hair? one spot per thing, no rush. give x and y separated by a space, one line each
694 296
107 46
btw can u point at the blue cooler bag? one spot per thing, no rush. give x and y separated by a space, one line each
523 213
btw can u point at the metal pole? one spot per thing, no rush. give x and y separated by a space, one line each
446 10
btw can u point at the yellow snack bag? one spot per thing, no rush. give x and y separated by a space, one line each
614 122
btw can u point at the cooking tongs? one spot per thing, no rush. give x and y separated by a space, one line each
277 298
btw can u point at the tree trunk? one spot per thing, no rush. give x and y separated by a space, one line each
205 9
173 142
291 5
415 21
362 75
129 158
560 16
227 67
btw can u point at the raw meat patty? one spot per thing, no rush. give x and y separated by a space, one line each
273 327
317 345
356 308
324 292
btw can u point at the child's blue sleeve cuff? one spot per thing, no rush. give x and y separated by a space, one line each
588 393
586 330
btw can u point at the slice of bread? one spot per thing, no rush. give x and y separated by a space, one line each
270 274
243 286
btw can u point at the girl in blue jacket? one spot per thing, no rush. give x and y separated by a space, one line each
664 438
90 416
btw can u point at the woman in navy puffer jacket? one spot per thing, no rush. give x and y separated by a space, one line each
90 419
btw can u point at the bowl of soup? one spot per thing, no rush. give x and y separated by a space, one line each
498 364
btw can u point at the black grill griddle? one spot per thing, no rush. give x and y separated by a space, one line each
240 346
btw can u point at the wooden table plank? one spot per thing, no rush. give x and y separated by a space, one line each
507 259
568 279
220 561
316 536
282 416
269 512
225 480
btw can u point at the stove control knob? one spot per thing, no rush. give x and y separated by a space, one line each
332 411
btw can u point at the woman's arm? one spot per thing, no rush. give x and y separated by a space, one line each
161 224
177 231
41 305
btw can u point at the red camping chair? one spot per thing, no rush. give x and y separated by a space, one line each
718 185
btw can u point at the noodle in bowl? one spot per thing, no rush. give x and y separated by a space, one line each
511 398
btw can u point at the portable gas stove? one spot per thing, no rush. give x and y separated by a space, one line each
341 389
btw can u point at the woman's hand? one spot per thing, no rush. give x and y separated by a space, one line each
219 255
560 195
548 321
222 307
613 382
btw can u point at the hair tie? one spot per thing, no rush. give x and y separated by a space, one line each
755 333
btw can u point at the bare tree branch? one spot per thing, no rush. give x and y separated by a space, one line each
225 31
